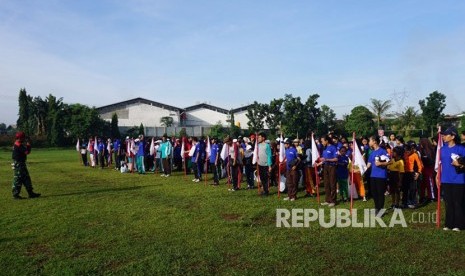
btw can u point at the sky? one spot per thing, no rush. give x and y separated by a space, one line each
232 53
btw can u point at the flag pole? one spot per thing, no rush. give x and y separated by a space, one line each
352 174
438 209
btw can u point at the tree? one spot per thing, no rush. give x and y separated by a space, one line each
2 128
234 130
55 121
26 118
432 108
273 114
166 121
41 111
255 114
407 120
114 126
298 118
326 121
360 121
380 108
141 129
217 130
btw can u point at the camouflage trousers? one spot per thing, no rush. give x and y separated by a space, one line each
21 177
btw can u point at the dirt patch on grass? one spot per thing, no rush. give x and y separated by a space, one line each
231 217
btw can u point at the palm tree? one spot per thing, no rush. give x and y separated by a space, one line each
380 108
408 120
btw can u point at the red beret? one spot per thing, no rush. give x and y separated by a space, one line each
20 135
252 136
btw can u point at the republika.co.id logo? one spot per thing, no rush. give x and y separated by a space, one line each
340 218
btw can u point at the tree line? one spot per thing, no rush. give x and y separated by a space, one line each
59 123
294 117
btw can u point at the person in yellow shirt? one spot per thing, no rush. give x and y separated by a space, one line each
396 169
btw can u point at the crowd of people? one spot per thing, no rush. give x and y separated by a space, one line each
405 171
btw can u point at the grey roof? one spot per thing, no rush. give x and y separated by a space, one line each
123 104
207 106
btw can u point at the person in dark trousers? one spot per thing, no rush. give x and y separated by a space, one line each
21 177
378 161
329 162
453 180
214 161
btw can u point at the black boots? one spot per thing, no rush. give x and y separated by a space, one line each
33 195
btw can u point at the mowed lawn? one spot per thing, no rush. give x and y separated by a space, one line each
92 221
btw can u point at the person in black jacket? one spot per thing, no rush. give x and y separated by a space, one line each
21 175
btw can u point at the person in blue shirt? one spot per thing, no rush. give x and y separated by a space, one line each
342 173
378 162
328 160
214 159
292 162
453 180
194 159
140 155
117 153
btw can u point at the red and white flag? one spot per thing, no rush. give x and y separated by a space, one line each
255 152
315 153
182 148
208 150
282 154
152 147
437 163
358 158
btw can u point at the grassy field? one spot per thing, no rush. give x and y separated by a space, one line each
91 221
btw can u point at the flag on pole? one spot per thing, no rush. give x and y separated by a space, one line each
282 154
255 152
358 158
224 152
315 153
96 146
182 148
78 146
109 147
88 146
438 169
152 146
208 150
437 162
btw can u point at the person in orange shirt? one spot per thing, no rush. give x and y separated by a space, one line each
413 169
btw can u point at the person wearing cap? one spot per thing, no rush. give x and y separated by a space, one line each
329 162
453 179
264 162
21 149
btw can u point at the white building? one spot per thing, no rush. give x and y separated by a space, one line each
136 111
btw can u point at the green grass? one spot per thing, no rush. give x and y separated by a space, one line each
91 221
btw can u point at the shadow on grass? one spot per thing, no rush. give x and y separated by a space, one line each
98 191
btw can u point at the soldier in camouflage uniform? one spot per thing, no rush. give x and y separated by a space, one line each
21 174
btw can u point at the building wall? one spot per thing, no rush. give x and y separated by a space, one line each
240 118
135 114
205 117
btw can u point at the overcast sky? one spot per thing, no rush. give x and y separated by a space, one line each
231 53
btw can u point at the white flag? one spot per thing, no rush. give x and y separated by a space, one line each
109 147
208 150
255 152
78 146
282 151
224 152
152 147
88 146
315 153
358 158
438 151
182 148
